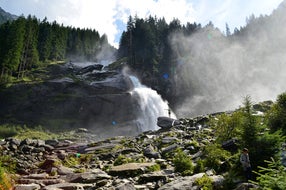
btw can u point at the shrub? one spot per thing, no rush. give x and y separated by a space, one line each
199 167
5 180
8 163
205 183
215 157
227 126
71 161
121 159
183 163
272 177
153 168
277 115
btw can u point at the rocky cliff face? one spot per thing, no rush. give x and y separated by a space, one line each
72 97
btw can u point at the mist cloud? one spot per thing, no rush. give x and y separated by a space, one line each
215 73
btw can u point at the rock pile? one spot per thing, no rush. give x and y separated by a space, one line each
119 163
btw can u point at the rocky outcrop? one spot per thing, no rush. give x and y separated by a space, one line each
72 97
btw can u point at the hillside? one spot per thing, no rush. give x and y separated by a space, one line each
5 16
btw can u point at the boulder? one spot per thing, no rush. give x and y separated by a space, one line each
182 183
151 153
69 186
87 177
152 177
167 122
130 169
31 186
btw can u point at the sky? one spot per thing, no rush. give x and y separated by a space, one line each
110 16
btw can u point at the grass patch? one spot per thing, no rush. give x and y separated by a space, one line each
8 131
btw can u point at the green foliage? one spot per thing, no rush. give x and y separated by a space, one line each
121 159
249 125
71 161
272 177
267 146
205 183
215 157
7 131
26 42
153 168
199 167
183 163
36 133
277 115
8 163
227 126
5 180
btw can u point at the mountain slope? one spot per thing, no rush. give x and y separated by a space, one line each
5 16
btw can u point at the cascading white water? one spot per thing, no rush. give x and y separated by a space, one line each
151 105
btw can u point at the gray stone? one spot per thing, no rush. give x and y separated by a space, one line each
86 177
126 186
151 153
130 169
32 186
167 122
69 186
152 177
169 148
182 183
52 142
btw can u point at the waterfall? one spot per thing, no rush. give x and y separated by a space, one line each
151 105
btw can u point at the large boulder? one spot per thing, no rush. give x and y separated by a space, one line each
167 122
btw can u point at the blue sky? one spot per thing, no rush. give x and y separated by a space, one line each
110 16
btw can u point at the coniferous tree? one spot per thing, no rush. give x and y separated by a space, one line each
14 45
45 40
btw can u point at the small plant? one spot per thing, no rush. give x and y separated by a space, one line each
153 168
199 167
8 163
204 182
121 159
5 180
80 170
71 161
183 163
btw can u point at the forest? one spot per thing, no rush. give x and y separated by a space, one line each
26 43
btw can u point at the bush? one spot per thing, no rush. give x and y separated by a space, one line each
183 163
205 183
227 126
121 159
5 180
277 115
272 177
216 157
153 168
199 167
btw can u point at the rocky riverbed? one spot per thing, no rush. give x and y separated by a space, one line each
122 163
